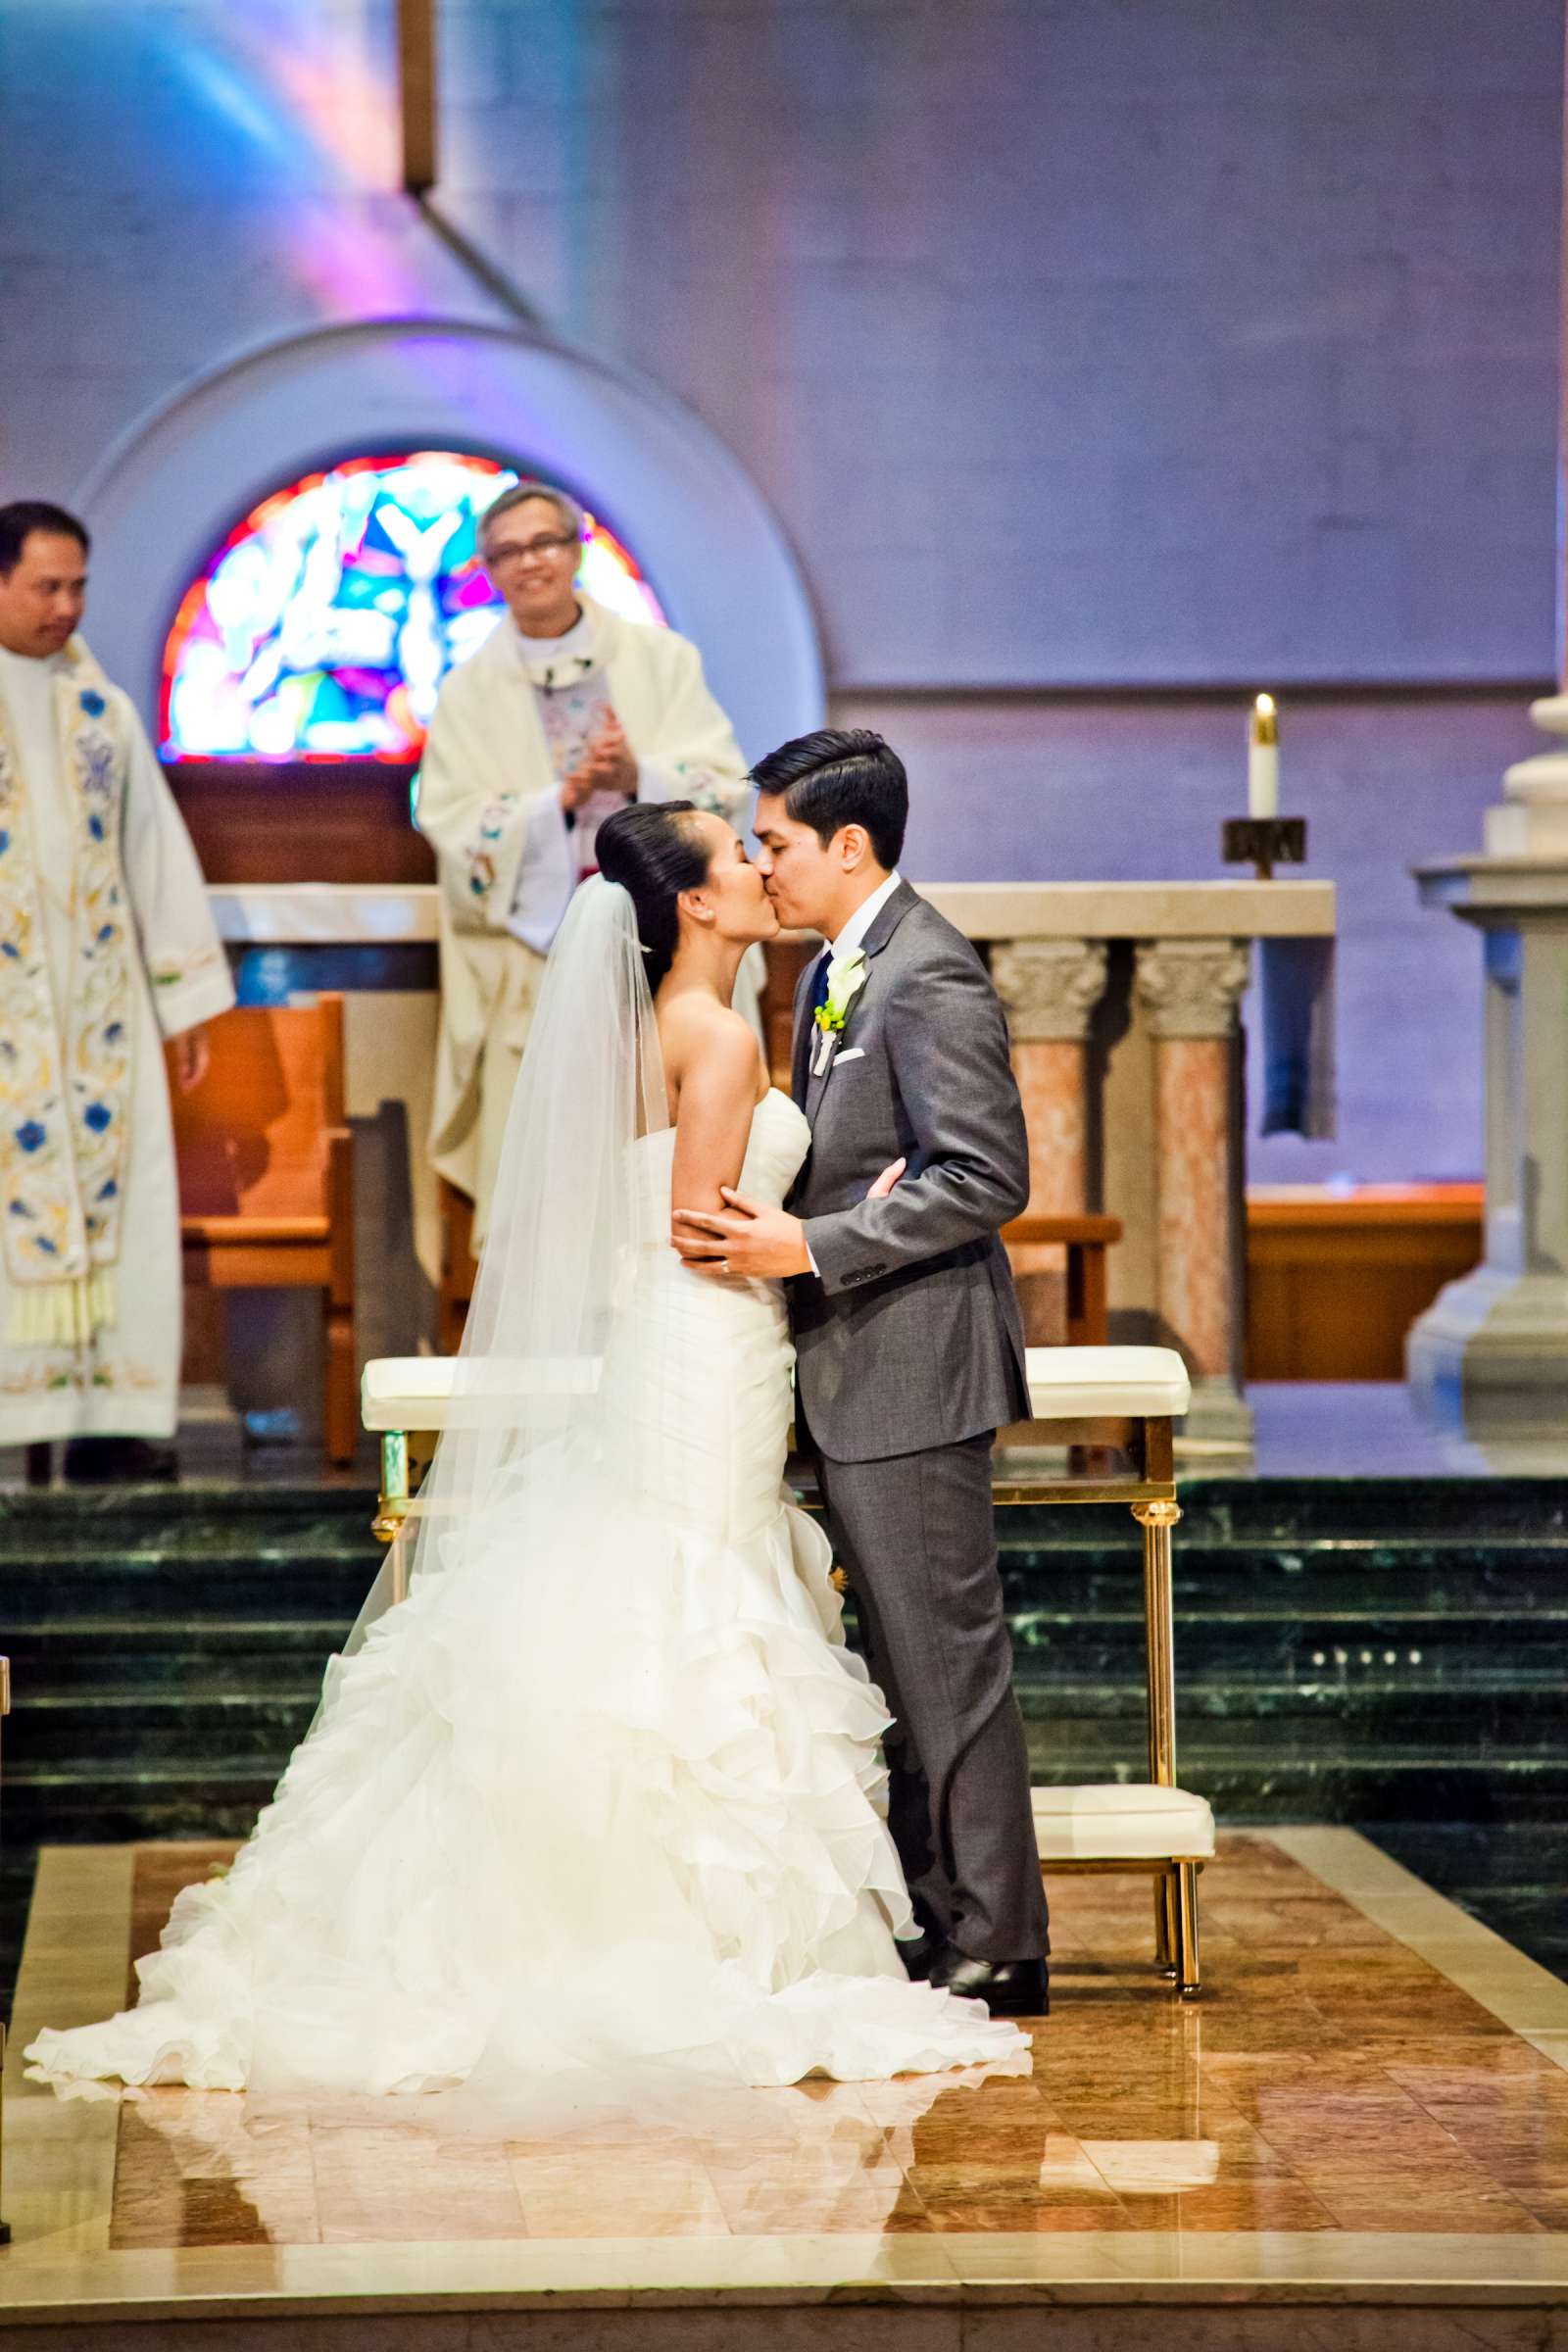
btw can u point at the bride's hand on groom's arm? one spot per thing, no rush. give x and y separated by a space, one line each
747 1241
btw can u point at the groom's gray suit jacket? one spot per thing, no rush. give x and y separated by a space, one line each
909 1335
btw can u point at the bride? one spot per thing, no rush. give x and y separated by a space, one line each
603 1795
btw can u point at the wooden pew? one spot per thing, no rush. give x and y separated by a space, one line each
267 1178
1336 1279
1083 1239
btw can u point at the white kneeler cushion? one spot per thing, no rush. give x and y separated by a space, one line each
1122 1821
1065 1383
1084 1383
451 1392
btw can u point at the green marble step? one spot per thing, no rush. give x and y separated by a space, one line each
1208 1641
69 1654
171 1519
1525 1853
1092 1730
262 1721
83 1799
1511 1875
76 1802
206 1555
329 1590
1449 1566
1494 1708
1265 1782
267 1583
1289 1509
1215 1508
1280 1641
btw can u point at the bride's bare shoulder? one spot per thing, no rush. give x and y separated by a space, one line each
709 1046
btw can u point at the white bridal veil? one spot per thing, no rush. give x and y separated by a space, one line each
568 1218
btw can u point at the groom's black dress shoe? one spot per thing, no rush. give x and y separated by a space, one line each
1007 1987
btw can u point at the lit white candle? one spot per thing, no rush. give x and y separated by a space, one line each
1264 758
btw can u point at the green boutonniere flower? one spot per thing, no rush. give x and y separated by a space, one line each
845 980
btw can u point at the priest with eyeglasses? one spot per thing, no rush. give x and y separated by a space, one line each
566 712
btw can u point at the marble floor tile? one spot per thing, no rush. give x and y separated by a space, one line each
617 2193
1334 2087
1037 2216
188 2173
1272 2201
393 2183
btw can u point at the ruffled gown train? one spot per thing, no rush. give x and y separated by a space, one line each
612 1807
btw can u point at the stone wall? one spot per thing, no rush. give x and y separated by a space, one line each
1078 344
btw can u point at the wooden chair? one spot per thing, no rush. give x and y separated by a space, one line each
458 1272
267 1178
1085 1241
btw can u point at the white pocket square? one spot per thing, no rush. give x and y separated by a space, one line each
854 1054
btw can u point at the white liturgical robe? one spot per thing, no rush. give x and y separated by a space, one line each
489 802
107 947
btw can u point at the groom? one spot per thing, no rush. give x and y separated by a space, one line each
908 1339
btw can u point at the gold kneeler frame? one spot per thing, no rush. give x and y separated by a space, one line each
1128 1460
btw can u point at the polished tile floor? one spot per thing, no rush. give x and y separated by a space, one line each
1333 2079
1373 2094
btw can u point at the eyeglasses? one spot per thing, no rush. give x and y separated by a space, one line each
512 551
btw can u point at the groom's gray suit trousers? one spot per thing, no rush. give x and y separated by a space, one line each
910 1351
918 1536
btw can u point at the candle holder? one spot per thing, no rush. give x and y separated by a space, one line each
1264 842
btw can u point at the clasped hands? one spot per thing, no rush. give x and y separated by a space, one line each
751 1240
608 766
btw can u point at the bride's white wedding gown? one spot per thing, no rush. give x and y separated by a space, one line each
608 1806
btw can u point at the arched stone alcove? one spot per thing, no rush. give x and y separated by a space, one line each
160 500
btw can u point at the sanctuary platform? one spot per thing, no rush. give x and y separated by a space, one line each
1369 1622
1357 2139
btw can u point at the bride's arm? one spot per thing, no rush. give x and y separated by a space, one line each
718 1083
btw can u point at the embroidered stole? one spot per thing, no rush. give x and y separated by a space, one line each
65 1070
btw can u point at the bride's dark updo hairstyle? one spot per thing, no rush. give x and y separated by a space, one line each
650 850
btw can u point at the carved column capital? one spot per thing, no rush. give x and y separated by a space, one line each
1048 986
1191 987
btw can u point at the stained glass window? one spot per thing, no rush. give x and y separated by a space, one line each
322 627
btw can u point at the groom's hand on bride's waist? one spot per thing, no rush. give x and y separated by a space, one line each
747 1241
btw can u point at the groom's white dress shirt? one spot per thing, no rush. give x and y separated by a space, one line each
860 923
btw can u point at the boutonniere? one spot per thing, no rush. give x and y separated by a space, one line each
845 980
92 702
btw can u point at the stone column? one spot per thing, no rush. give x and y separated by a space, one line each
1051 988
1190 990
1490 1354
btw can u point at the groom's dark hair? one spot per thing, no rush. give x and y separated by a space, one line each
842 776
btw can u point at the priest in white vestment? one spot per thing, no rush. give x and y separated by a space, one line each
565 712
107 948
